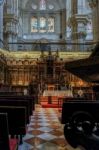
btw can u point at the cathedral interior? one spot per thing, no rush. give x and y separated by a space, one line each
48 52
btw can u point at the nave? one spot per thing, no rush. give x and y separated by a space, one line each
45 132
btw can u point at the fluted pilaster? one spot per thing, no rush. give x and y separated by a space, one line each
76 21
94 5
1 24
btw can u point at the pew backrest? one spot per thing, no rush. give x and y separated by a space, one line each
69 108
20 97
4 132
16 119
21 103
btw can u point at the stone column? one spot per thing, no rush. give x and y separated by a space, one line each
95 18
1 24
10 41
62 27
17 8
78 22
63 23
74 25
9 8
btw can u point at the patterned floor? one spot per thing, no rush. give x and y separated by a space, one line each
45 132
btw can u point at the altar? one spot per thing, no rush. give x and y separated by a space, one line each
64 93
53 95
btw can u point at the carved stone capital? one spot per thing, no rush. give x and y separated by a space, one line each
93 3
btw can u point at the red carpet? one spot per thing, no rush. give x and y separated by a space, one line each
49 105
13 144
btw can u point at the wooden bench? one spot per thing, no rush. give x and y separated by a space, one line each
61 100
81 119
21 97
16 119
16 103
69 108
5 142
26 97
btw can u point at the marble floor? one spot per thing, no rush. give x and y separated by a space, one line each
45 132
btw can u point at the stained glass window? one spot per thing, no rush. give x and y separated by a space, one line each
51 6
42 24
42 5
81 6
68 31
50 24
89 30
34 6
34 27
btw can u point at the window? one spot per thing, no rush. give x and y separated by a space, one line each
81 6
68 31
50 24
42 24
89 30
42 21
42 5
81 27
34 6
51 6
34 24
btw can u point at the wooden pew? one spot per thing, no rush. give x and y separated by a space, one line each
16 103
69 108
16 119
4 135
21 97
81 119
5 142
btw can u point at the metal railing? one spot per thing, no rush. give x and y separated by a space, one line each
53 46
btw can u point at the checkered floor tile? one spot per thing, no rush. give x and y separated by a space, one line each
45 132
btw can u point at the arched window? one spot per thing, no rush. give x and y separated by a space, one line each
42 5
42 24
89 30
34 27
42 21
81 6
51 24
